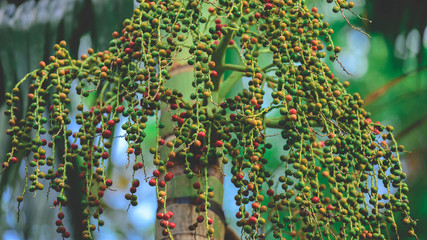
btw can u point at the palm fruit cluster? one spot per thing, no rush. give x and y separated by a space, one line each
341 175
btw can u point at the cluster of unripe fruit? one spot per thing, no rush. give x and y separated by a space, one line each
331 147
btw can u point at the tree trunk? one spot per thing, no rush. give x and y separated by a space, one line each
181 196
182 202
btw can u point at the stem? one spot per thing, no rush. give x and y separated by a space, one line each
218 57
233 67
229 83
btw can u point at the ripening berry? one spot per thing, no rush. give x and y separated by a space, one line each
336 9
254 40
120 109
166 216
256 144
268 6
61 215
201 135
62 44
196 185
325 174
106 134
337 49
252 220
293 233
135 183
67 234
168 176
218 143
139 165
245 38
100 194
255 205
152 182
254 101
171 225
197 143
128 50
111 123
170 164
315 199
105 155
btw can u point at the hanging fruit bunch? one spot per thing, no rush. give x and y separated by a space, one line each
341 176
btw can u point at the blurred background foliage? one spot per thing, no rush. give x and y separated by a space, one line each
388 70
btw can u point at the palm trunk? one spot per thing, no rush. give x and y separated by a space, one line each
182 202
181 196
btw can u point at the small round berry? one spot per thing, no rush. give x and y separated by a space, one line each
14 159
252 220
201 135
166 216
152 182
315 199
171 225
61 215
196 185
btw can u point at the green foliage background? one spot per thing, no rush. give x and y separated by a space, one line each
392 63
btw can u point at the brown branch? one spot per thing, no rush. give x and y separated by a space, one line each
230 234
361 18
352 26
178 68
342 66
412 127
382 90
